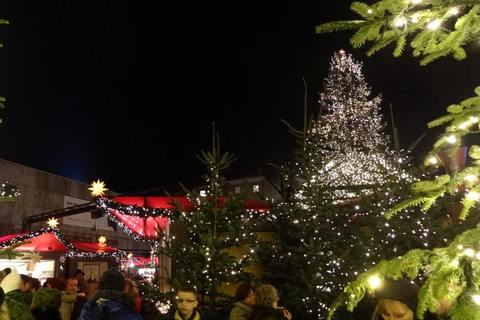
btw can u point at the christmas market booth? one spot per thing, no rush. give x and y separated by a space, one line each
47 253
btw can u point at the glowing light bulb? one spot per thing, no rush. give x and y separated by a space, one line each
473 195
470 178
415 19
473 119
400 22
416 1
469 252
369 11
476 299
455 263
451 139
453 11
374 281
433 24
433 160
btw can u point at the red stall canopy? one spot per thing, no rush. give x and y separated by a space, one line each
46 242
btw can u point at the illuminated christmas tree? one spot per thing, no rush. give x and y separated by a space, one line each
451 273
323 236
203 240
351 143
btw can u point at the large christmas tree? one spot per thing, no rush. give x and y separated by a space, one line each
351 142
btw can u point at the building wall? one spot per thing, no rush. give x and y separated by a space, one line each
42 192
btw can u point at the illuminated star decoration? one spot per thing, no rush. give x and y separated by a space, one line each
102 240
98 188
52 222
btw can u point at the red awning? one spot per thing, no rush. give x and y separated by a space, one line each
46 242
93 247
147 228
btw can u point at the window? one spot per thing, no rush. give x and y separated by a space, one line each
238 190
256 188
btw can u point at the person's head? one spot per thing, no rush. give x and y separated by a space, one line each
393 310
56 283
266 295
79 274
35 284
11 282
245 294
131 288
72 285
187 301
397 300
25 283
112 279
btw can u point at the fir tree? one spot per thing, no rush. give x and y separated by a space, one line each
214 228
453 271
351 141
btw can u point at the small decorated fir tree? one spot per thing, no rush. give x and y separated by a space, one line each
214 228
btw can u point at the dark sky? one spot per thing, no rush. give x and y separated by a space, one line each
126 91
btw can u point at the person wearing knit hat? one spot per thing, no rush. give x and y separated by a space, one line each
109 301
14 305
11 282
397 300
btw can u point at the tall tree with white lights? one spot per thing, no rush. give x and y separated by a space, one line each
435 29
350 137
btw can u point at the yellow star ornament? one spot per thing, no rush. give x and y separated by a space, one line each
102 240
52 223
98 188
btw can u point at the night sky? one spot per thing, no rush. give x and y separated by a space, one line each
126 91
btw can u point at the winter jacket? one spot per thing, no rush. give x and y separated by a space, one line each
66 308
260 311
110 304
195 316
149 311
240 311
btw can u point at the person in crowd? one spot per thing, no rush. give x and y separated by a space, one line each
69 296
244 300
55 283
187 302
35 284
13 296
49 308
110 301
83 285
397 300
25 285
266 304
131 289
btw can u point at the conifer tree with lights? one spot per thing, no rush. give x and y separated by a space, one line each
451 272
350 142
216 227
330 224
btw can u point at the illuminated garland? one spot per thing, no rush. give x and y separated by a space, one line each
72 251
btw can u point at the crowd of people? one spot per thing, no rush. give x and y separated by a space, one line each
115 296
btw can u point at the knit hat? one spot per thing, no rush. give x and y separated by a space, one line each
57 283
112 280
11 281
403 290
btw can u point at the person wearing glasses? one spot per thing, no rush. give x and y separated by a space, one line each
244 300
187 301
